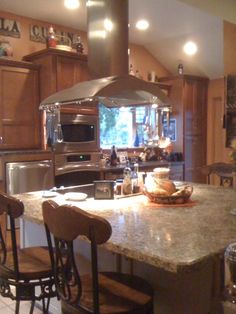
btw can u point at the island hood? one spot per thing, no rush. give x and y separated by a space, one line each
108 64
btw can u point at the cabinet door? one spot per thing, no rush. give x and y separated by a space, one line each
195 116
70 72
195 158
195 107
19 113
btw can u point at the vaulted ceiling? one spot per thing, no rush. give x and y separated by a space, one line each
172 23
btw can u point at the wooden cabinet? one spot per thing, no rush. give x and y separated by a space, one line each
19 113
188 95
59 69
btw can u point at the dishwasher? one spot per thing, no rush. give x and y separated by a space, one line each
28 176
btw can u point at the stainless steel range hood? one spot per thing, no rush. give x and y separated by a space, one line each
114 91
108 64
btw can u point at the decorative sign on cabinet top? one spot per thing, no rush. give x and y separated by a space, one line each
9 27
39 34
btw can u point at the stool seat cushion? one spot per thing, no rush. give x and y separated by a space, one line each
33 263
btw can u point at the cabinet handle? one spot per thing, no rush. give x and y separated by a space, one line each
1 140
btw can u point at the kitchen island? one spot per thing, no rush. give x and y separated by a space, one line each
178 249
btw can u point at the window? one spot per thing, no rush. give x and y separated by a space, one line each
127 126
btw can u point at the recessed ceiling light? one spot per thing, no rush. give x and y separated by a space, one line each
142 25
71 4
190 48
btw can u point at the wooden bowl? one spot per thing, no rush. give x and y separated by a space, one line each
172 199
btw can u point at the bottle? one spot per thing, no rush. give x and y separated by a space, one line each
136 140
180 69
51 39
113 156
137 74
79 46
118 186
131 71
135 181
127 182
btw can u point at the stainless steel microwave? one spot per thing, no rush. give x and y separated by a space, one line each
77 133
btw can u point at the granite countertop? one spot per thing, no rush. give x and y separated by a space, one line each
176 239
23 152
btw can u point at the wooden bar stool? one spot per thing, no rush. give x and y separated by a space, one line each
22 271
104 292
224 171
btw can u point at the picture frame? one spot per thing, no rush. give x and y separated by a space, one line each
103 189
123 157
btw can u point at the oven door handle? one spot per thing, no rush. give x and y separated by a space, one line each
76 168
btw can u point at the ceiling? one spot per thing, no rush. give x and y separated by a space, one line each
172 23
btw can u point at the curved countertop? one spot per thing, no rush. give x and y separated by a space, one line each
173 238
73 167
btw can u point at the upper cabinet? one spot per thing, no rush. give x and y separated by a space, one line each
59 69
188 95
19 113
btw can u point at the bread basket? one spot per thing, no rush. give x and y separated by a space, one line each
182 198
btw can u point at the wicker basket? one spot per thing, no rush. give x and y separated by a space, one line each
180 199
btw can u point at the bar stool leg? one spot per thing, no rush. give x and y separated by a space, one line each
118 263
32 307
17 308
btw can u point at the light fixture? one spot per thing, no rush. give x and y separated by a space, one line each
190 48
71 4
142 25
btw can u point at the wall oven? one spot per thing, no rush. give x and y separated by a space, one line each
76 133
76 168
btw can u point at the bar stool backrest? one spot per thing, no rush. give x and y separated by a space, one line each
13 208
221 169
66 223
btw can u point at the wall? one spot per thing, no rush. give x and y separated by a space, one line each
216 134
143 61
229 48
23 46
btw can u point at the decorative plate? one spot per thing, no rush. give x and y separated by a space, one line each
48 194
181 196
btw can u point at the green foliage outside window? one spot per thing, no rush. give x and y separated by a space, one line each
125 127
